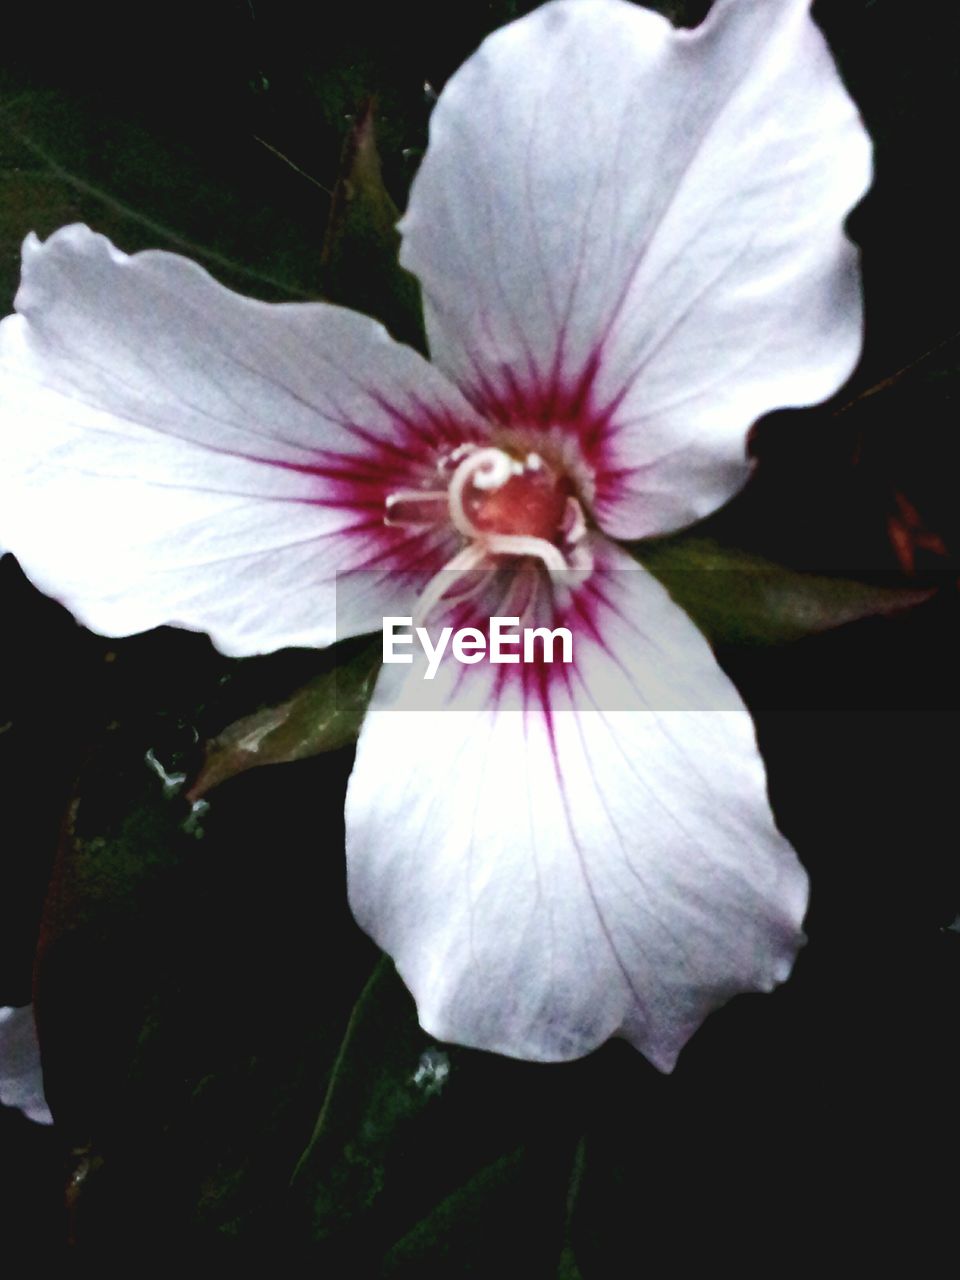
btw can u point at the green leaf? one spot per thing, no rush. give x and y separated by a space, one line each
569 1268
322 716
465 1234
359 264
741 598
65 156
431 1160
381 1079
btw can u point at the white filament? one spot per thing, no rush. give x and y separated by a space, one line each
416 495
412 496
574 525
469 558
521 544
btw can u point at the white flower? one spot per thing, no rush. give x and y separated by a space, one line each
21 1078
630 244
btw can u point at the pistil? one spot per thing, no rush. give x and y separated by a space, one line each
502 505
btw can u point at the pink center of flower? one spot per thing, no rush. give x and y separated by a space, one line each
503 506
531 502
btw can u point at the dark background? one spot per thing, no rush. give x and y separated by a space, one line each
194 986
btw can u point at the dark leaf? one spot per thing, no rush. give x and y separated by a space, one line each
741 598
429 1160
359 265
322 716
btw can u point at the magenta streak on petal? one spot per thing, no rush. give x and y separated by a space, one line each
535 680
422 435
557 402
481 393
452 429
362 482
407 548
348 471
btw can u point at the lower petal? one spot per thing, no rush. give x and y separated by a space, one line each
548 877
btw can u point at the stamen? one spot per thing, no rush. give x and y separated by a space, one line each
414 507
514 544
416 495
521 595
574 527
471 557
502 506
579 563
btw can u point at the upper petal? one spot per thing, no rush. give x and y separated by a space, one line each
21 1078
171 452
545 878
637 231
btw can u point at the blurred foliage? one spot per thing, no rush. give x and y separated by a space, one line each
202 991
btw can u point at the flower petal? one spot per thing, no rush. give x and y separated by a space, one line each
636 232
548 877
171 452
21 1079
